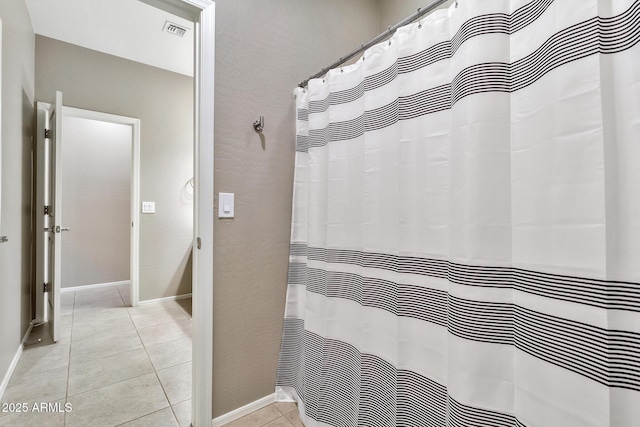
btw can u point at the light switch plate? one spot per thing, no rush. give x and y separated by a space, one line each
225 205
148 207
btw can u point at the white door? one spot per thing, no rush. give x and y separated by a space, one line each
42 211
56 229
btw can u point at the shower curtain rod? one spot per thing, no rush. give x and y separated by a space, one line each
421 12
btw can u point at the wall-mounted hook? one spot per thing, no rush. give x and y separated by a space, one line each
258 125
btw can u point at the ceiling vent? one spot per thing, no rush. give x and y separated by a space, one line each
175 29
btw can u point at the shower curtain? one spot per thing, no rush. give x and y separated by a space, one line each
465 245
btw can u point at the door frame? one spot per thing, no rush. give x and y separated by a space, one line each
43 108
202 14
134 256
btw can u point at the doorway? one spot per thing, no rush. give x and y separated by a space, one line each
102 151
201 12
96 203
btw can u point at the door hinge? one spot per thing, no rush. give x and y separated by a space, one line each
47 133
47 210
198 243
45 287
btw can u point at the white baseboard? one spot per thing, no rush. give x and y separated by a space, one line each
94 286
165 299
245 410
14 362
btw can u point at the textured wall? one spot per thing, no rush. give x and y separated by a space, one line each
163 101
17 125
263 49
394 11
96 202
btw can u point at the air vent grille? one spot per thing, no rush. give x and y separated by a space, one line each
175 29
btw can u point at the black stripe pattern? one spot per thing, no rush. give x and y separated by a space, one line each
479 307
594 36
496 23
606 294
341 386
608 357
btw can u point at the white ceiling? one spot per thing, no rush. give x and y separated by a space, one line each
126 28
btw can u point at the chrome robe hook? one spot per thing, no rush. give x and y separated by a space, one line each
258 125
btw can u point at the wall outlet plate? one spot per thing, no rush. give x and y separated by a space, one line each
149 207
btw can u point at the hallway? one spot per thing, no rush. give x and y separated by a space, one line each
114 364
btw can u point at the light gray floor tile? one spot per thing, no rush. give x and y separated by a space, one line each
176 382
294 418
47 386
108 370
49 417
40 358
286 407
99 314
257 418
117 403
125 294
92 330
66 302
115 302
162 418
159 317
183 413
149 308
166 332
185 305
67 299
171 353
94 294
279 422
112 300
95 348
110 378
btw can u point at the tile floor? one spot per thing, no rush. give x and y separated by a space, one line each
115 365
275 415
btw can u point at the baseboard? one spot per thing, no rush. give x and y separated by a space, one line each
95 286
245 410
165 299
14 362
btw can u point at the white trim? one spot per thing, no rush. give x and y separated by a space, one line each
94 286
202 13
14 362
165 299
134 290
1 241
244 410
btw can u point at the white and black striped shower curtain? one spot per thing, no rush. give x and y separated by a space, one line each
465 245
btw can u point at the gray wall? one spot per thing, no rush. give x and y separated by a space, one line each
163 101
394 11
96 201
263 49
17 125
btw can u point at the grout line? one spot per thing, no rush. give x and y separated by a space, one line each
154 412
66 392
121 297
154 371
